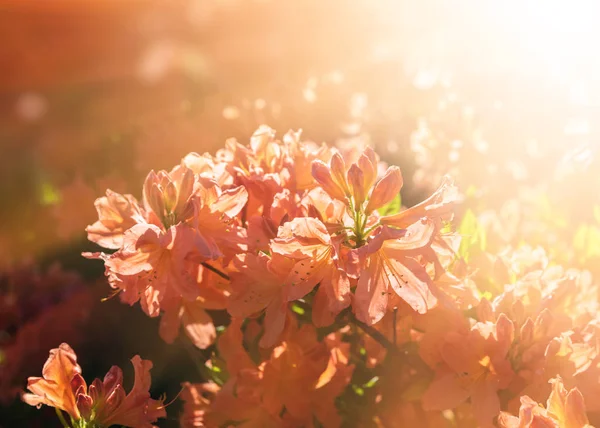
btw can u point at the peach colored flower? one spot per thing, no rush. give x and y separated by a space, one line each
257 285
54 387
564 409
307 242
117 213
390 265
477 367
103 402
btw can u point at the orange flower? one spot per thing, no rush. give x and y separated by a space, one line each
307 242
564 409
297 383
104 402
197 399
257 285
358 181
117 213
154 262
167 196
477 367
438 207
192 316
390 265
54 387
214 222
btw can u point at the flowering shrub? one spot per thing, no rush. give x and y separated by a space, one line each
325 302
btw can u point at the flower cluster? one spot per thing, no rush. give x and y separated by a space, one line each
259 226
322 301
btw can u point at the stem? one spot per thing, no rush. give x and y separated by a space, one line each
203 371
215 270
60 415
394 320
378 336
369 230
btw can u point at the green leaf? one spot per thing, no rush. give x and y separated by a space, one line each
586 242
472 234
392 207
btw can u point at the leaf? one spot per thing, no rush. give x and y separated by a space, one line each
586 242
472 234
392 207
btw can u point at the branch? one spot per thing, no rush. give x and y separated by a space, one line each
378 336
215 270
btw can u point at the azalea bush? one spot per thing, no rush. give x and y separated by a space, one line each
321 300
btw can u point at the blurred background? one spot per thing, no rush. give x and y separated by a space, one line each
504 96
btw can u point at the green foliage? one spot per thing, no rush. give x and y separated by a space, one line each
473 237
586 242
392 207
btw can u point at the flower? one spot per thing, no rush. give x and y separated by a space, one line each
297 383
103 402
117 213
54 387
307 242
390 266
476 368
197 399
564 409
258 285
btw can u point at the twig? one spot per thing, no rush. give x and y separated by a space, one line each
203 371
378 336
215 270
346 317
